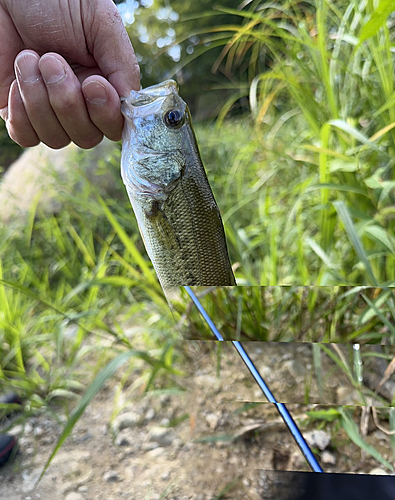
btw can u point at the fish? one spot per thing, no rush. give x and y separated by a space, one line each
167 185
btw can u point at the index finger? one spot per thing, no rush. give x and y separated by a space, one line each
11 45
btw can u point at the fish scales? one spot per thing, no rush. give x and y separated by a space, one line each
166 182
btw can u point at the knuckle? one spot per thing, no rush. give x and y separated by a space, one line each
65 103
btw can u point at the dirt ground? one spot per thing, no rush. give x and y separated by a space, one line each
200 443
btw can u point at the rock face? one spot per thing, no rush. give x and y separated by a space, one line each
34 176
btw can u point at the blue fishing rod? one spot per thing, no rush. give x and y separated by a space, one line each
281 408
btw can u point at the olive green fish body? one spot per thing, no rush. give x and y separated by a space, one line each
176 211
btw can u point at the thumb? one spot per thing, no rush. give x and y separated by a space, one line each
110 45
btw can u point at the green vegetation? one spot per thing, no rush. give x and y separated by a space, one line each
297 314
305 185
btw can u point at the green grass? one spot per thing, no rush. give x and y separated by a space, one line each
68 284
295 314
310 195
304 182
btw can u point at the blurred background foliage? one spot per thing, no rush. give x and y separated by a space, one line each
294 104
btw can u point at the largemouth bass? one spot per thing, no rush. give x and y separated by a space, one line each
167 185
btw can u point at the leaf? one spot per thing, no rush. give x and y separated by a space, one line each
369 313
354 238
352 430
343 166
387 105
380 315
343 125
254 87
337 187
382 131
377 20
321 253
130 246
328 415
379 234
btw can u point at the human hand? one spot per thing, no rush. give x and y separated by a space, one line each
73 60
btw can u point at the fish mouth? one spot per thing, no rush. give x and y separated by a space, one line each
149 95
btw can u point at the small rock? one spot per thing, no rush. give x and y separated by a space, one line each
150 446
86 437
206 381
254 495
74 496
295 368
178 443
266 373
30 479
380 435
125 438
156 452
347 396
297 461
47 439
318 439
16 431
378 472
162 435
83 489
150 414
38 431
25 442
165 476
76 482
328 458
111 476
212 420
125 420
28 429
164 400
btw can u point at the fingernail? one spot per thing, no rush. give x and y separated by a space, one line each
52 69
95 92
27 68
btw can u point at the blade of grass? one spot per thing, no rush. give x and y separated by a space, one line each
344 216
351 429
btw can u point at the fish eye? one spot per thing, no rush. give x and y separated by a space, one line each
173 118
